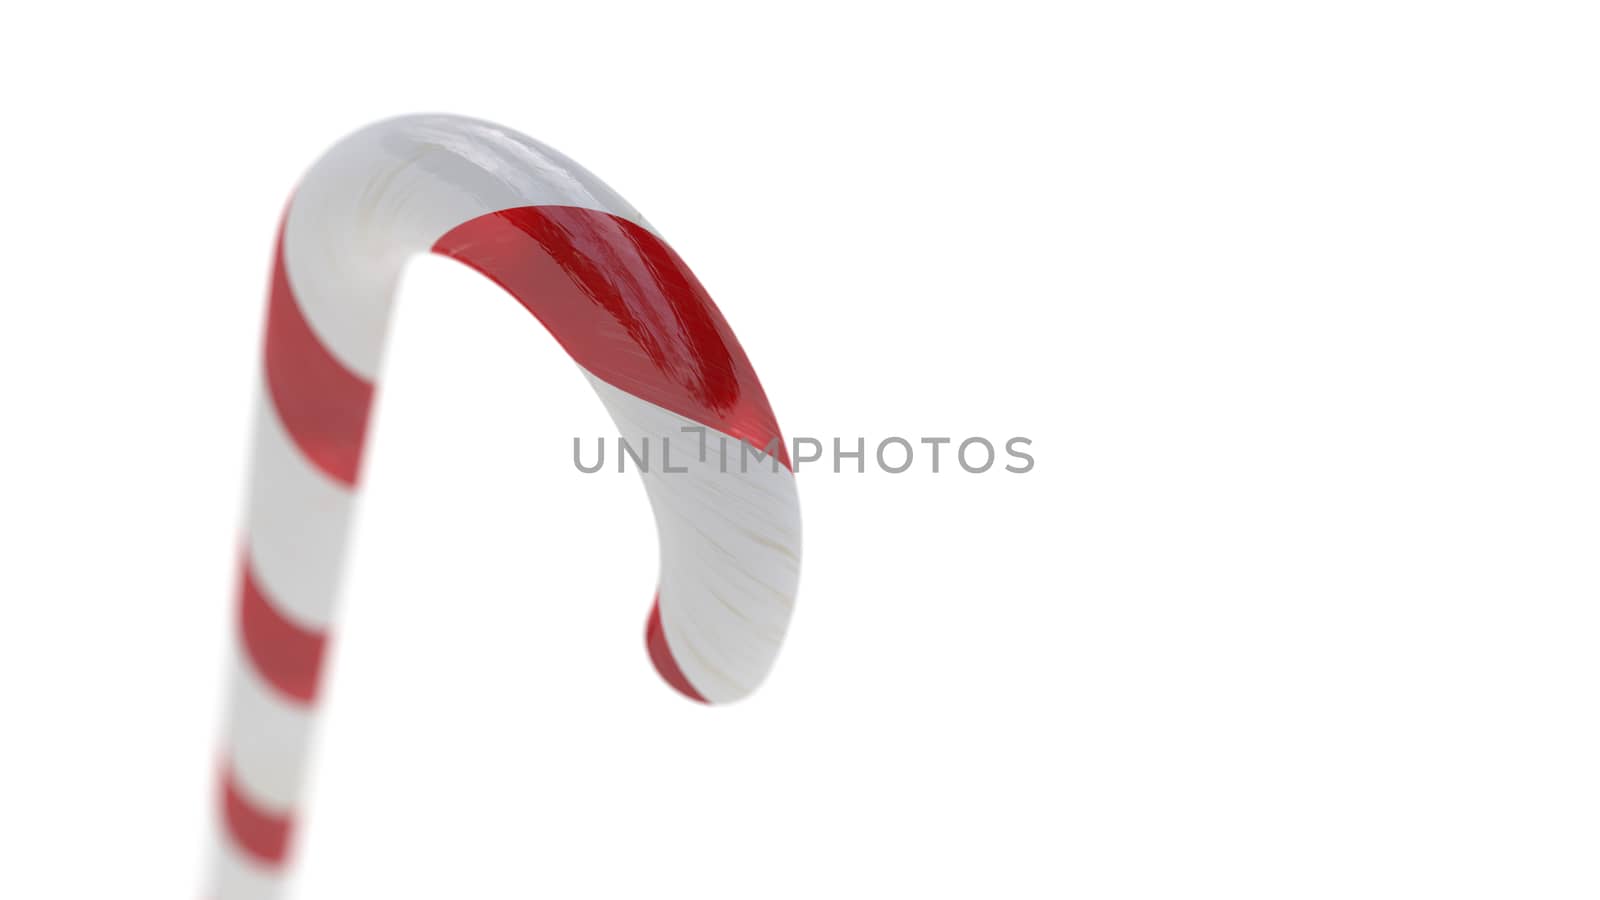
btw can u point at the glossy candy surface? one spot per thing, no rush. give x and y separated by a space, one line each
617 299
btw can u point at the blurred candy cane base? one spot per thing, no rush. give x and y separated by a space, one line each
631 315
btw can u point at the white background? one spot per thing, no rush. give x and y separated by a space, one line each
1298 303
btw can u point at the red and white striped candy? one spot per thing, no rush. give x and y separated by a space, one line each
615 296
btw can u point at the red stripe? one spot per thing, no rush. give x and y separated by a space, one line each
626 308
656 640
286 654
262 835
323 404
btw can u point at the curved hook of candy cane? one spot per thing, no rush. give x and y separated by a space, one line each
629 312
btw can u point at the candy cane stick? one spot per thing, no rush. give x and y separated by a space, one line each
632 316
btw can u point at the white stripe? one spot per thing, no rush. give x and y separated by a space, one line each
268 740
730 547
392 190
235 876
298 524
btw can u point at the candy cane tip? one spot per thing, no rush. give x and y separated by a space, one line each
655 639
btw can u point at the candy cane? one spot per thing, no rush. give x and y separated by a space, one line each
632 316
